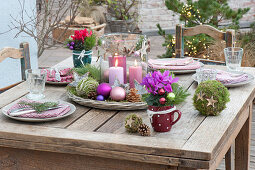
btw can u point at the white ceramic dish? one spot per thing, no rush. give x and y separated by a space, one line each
250 79
178 71
6 108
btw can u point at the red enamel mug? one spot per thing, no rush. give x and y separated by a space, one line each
162 118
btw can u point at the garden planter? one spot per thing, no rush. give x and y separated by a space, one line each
162 118
81 58
121 25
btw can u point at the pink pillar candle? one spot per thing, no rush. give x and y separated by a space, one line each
121 63
116 73
135 73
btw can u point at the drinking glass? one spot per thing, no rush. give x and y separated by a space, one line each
233 57
36 83
205 74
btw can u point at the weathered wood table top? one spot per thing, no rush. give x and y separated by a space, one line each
195 141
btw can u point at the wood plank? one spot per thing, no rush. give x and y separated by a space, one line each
220 128
13 94
9 52
242 145
92 120
178 44
29 159
204 29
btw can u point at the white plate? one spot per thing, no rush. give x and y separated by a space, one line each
250 79
178 71
6 108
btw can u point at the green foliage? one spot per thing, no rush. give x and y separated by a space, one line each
93 70
121 9
180 96
39 107
211 88
248 37
89 42
209 12
96 2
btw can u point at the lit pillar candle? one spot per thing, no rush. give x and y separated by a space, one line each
121 63
135 73
116 73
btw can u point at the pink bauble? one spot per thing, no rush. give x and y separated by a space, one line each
104 89
118 94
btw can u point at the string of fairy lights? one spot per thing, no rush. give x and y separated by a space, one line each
190 13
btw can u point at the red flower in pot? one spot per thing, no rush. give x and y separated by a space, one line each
163 94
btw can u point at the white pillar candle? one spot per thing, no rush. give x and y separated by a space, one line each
116 73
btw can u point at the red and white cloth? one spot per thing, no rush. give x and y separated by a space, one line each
66 75
46 114
176 64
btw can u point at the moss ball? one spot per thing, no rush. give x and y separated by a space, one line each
132 123
210 97
86 86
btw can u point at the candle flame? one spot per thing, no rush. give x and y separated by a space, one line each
135 63
116 63
115 54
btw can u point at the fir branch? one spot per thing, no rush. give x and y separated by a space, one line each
180 94
93 70
39 107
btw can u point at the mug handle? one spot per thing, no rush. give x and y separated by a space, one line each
179 116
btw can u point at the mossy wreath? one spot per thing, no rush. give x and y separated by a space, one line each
132 123
210 97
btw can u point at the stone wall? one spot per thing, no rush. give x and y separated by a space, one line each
154 11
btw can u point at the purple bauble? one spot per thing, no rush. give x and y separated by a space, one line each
72 43
71 47
104 89
68 45
118 94
100 97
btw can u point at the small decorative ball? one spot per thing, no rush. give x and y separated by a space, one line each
72 43
104 89
100 97
71 47
136 53
162 100
170 96
68 45
118 94
132 123
161 91
86 86
210 97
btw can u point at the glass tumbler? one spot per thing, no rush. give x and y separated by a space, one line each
233 57
36 83
205 74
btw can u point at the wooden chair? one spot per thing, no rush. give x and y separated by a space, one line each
23 54
218 35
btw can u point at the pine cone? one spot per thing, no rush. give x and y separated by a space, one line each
92 95
144 130
133 96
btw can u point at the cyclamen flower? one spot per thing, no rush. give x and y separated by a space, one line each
156 80
81 35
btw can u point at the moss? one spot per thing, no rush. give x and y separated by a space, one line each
215 89
136 121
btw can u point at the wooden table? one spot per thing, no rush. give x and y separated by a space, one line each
96 139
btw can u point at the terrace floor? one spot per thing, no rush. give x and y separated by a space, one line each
54 56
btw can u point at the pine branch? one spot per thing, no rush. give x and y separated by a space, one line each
39 107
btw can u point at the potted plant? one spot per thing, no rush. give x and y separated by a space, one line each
81 43
163 94
122 15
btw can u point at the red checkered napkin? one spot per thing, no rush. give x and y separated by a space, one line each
46 114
